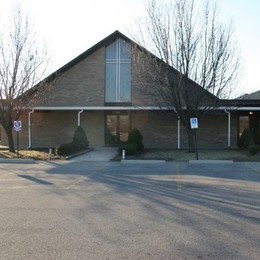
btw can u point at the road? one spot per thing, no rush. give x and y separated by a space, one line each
108 210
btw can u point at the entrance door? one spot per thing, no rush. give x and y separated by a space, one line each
117 128
243 124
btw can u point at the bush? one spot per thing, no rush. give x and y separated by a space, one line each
80 139
135 136
79 143
246 139
130 149
253 149
134 143
65 149
257 136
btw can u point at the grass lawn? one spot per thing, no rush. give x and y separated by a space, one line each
184 155
34 154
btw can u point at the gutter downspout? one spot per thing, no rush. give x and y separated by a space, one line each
30 130
229 122
81 111
178 131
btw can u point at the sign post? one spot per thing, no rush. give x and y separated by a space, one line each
195 125
17 128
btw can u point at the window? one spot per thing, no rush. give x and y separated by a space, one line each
118 72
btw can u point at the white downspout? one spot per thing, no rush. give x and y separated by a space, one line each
229 122
81 111
29 130
178 132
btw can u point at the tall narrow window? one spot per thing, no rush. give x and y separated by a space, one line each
118 72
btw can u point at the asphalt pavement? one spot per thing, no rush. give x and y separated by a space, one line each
110 210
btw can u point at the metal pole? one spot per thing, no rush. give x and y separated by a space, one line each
179 134
196 145
17 142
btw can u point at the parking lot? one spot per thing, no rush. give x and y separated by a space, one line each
110 210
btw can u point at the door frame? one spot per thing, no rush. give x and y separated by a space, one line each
108 136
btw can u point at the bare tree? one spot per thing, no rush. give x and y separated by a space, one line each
21 67
200 61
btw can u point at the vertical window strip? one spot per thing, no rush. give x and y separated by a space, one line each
119 81
117 61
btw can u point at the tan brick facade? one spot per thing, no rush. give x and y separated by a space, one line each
159 129
83 85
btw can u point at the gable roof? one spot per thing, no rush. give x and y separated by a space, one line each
106 41
252 96
247 101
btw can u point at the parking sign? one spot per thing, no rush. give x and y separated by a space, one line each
17 126
194 123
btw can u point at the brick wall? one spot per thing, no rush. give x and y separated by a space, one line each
159 130
81 85
94 123
53 128
143 80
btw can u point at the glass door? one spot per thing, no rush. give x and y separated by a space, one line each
117 128
243 124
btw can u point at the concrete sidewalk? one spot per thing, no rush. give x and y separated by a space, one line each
101 154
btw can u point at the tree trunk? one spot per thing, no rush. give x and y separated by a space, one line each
9 132
10 141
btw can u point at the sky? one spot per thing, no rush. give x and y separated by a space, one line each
70 27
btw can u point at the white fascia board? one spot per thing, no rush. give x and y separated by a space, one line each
101 108
249 108
238 108
106 108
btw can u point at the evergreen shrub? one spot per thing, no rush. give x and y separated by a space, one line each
65 149
253 149
246 139
79 143
134 143
130 149
257 137
80 139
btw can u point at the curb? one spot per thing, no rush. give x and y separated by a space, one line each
78 154
142 161
210 161
21 161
